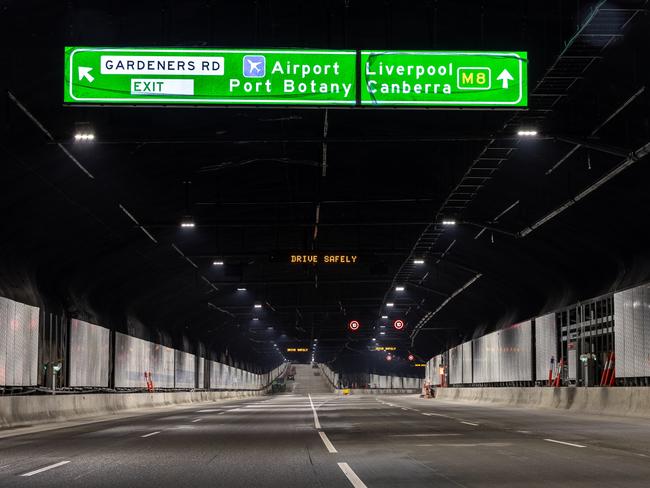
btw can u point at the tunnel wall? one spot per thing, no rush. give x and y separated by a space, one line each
379 384
526 354
16 411
98 358
623 401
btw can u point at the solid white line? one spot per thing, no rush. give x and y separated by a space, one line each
150 434
327 442
316 422
436 415
469 423
196 420
565 443
352 476
46 468
403 408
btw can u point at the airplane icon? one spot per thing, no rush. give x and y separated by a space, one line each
254 66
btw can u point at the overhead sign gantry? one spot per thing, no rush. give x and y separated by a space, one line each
195 76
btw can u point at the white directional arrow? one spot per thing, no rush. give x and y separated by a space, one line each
505 77
84 72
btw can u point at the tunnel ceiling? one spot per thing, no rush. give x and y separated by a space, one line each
255 182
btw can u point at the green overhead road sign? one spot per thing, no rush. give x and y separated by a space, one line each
164 76
209 76
444 78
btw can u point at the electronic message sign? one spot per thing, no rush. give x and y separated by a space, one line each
209 76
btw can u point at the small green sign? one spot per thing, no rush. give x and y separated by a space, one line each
444 78
209 76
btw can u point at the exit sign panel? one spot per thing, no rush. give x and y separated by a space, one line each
444 78
209 76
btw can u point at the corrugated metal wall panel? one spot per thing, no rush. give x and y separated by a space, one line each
632 332
479 356
467 362
200 373
184 370
130 361
514 352
435 370
456 365
18 343
619 333
545 345
89 351
134 357
162 365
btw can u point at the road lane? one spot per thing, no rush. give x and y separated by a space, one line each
274 442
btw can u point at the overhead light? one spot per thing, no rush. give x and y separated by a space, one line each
217 263
384 317
382 333
373 339
84 137
390 304
527 133
255 319
399 288
448 222
418 261
241 288
187 221
315 340
83 132
258 305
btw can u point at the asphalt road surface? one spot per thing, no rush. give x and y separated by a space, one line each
386 441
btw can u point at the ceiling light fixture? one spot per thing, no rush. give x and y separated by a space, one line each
83 137
418 261
390 304
258 305
527 133
187 222
399 288
448 222
217 263
241 288
83 132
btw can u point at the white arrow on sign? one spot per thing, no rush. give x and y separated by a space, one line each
84 72
505 77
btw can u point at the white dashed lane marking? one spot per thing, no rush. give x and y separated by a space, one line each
150 434
565 443
46 468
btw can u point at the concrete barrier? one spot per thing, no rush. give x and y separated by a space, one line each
16 411
622 401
